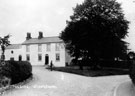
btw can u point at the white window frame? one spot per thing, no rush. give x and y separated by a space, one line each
48 47
57 57
27 48
39 47
28 56
57 46
39 57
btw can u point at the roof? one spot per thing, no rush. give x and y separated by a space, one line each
43 40
13 46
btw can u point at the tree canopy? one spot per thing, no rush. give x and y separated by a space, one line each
96 31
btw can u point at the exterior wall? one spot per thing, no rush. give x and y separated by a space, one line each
34 54
52 54
15 54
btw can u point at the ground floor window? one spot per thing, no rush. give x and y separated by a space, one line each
12 58
27 57
39 57
57 57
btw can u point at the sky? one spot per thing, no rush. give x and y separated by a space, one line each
17 17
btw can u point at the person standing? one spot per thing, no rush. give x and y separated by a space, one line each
51 65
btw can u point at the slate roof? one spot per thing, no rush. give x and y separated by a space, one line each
43 40
14 46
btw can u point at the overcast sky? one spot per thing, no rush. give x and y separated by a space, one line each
17 17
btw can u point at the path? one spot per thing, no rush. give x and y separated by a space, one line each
53 83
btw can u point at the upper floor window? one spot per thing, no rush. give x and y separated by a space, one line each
62 46
39 48
57 47
48 47
12 51
27 48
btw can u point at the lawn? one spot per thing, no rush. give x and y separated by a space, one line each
92 73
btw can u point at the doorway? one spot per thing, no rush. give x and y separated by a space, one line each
20 58
46 59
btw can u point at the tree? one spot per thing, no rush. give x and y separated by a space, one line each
96 31
4 42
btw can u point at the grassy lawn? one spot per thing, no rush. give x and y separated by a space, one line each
93 73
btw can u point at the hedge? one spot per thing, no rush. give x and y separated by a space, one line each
103 63
16 70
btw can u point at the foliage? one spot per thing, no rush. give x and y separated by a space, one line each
16 70
96 31
3 43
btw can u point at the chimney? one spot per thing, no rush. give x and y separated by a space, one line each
28 36
40 35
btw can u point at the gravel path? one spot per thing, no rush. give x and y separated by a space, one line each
53 83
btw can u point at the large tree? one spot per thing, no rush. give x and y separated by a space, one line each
96 31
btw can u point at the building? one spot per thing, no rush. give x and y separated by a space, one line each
39 51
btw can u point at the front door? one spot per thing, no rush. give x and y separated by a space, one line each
46 59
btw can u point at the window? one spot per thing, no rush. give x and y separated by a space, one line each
62 46
57 57
27 48
39 57
48 47
12 51
39 48
28 57
12 58
57 47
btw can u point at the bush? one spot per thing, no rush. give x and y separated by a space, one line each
16 70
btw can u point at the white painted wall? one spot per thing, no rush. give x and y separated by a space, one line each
15 54
34 54
52 54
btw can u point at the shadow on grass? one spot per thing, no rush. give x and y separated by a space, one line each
92 73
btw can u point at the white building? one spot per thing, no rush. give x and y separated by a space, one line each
39 51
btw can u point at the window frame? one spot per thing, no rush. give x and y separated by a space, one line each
40 57
27 57
57 47
39 47
48 47
57 57
27 48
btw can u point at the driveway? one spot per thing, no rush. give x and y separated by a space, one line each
53 83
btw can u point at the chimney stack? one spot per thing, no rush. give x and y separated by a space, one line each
28 36
40 35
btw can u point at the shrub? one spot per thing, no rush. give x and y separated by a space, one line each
16 70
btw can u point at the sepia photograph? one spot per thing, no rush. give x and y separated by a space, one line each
67 47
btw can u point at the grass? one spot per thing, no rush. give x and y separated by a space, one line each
92 73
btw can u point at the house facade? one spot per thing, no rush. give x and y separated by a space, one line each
39 51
